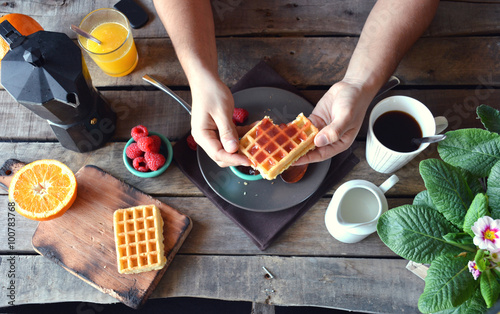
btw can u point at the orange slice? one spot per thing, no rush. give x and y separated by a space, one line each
43 189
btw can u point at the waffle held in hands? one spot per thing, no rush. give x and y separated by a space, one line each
272 148
139 239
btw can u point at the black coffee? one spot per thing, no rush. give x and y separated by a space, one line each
396 129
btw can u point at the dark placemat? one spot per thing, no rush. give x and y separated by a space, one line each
262 228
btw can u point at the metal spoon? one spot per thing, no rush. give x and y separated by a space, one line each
83 33
167 90
429 139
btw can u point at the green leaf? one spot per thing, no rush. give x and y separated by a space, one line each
480 261
447 188
493 191
423 198
497 271
475 150
473 181
490 288
490 118
416 233
475 305
460 238
477 209
448 284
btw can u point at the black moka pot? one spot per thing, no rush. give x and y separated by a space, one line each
46 73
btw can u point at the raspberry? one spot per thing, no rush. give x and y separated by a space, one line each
140 164
154 160
191 142
149 144
133 151
138 132
240 115
156 144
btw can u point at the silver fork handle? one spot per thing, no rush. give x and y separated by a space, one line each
167 90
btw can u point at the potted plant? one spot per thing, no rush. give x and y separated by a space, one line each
454 225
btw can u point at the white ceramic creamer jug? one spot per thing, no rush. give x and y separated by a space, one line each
355 208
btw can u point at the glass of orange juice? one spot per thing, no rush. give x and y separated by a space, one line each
117 54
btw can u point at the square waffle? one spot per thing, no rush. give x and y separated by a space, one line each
139 239
272 148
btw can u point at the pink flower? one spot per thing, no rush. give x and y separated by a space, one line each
473 269
487 233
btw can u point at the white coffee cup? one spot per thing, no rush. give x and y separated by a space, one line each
355 208
386 160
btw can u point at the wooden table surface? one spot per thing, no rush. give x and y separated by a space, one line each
452 69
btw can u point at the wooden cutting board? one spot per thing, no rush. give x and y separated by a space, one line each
82 240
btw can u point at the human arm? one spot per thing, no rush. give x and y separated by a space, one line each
190 26
391 29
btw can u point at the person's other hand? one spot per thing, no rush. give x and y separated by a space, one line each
338 115
211 123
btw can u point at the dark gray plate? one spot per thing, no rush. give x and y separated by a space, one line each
263 195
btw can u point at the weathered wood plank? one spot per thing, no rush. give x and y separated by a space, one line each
132 108
162 113
321 61
342 283
165 116
214 233
451 16
174 183
268 18
345 18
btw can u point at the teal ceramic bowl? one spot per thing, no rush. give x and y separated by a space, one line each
165 149
244 176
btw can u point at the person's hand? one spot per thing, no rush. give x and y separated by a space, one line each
338 115
211 123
